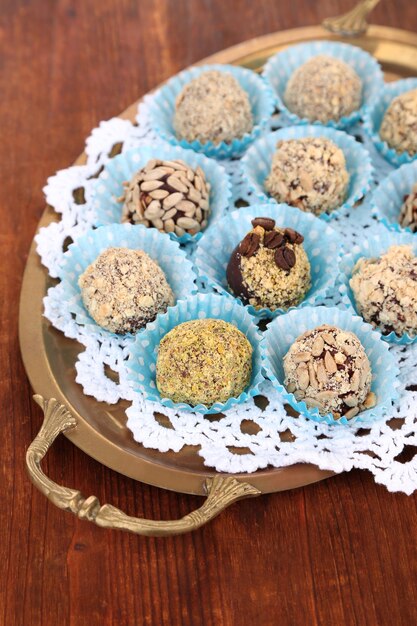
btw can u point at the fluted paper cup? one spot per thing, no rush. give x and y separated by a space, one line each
322 245
256 163
144 350
374 115
280 67
373 247
109 185
167 253
388 197
261 99
284 330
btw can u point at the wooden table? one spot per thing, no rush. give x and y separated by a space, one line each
341 552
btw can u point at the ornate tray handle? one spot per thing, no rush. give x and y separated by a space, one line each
353 22
221 491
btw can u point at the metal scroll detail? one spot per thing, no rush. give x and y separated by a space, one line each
221 490
353 22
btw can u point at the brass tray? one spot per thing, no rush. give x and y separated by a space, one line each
99 429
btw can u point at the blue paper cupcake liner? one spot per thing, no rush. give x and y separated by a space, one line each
322 245
388 198
282 65
143 352
375 113
256 163
284 330
261 98
109 185
167 253
371 247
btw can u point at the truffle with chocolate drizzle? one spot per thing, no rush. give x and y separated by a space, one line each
269 268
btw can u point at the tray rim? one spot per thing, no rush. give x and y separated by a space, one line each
36 363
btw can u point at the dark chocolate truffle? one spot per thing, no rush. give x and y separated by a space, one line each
269 268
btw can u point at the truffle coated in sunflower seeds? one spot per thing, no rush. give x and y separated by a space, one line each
168 195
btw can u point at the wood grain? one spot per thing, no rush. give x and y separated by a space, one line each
340 552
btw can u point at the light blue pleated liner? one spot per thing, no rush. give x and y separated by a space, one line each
261 99
322 245
372 247
388 198
283 331
109 185
280 67
167 253
144 350
256 164
375 113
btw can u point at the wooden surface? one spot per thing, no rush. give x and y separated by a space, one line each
340 552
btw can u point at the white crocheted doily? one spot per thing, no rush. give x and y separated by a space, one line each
246 438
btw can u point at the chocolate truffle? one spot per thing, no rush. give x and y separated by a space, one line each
202 362
269 268
328 368
399 124
408 211
168 195
124 289
385 290
323 89
308 173
212 107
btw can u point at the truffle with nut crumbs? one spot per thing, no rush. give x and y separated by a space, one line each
385 290
323 89
212 107
269 268
308 173
408 211
399 124
328 369
124 289
202 362
168 195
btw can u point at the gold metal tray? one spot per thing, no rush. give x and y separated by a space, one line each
99 429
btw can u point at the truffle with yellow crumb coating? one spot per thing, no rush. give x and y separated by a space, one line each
124 289
269 268
203 362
